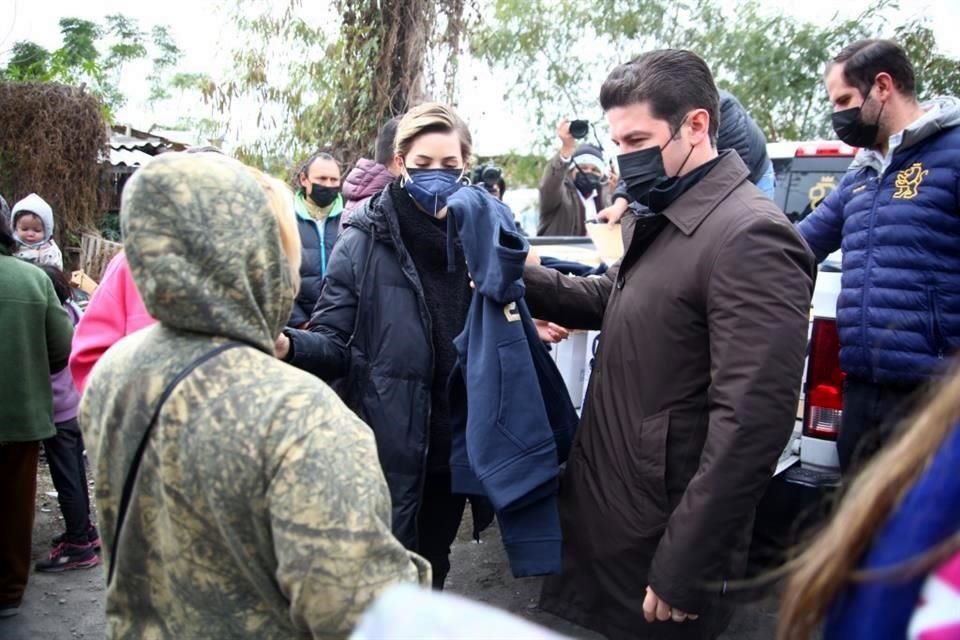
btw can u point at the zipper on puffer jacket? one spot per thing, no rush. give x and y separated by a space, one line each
938 338
866 273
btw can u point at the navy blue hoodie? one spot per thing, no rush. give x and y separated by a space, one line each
516 424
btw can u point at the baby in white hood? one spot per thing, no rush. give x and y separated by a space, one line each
32 222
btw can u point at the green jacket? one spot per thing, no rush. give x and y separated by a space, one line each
259 509
35 334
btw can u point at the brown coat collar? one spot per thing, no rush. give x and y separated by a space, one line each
693 207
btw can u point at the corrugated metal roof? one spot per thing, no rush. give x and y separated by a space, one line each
121 141
129 157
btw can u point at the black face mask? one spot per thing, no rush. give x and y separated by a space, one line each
642 171
586 183
851 129
323 196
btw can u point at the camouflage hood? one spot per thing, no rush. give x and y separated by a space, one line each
204 249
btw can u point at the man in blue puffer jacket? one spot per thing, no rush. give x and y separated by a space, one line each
896 215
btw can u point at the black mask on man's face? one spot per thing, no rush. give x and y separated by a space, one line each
642 171
323 196
851 129
586 183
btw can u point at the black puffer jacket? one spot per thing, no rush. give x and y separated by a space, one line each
738 131
371 334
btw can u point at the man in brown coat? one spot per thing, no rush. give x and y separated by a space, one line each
576 185
695 385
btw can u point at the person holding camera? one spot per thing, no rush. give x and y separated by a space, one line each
490 177
576 184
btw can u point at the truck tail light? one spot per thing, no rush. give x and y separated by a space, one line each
823 407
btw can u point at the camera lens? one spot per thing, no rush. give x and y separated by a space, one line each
579 129
490 174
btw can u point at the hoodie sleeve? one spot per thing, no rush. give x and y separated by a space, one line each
102 324
330 521
494 250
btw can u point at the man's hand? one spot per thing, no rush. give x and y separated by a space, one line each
282 346
568 142
551 333
655 609
612 214
613 179
532 257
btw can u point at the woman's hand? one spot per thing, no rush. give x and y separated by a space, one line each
281 347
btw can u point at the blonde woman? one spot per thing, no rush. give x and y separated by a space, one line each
888 564
385 323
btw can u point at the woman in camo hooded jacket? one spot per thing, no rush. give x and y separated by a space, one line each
259 509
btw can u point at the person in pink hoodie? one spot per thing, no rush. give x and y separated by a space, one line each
116 310
369 177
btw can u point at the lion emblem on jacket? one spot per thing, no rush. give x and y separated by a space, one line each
908 181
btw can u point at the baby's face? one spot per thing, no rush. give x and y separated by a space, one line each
30 228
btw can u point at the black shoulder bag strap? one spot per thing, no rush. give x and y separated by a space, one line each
138 455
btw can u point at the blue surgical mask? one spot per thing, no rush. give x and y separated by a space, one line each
430 188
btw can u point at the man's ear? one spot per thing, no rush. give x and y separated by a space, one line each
699 123
885 86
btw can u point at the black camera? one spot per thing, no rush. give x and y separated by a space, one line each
579 129
488 175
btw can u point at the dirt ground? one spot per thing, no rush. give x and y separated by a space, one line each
70 605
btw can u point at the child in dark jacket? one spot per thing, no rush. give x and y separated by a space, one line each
79 546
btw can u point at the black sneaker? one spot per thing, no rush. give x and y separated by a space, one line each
66 556
93 537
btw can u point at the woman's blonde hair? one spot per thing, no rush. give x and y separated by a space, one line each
280 198
830 563
431 117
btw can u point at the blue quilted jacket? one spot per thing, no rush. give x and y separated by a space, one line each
899 227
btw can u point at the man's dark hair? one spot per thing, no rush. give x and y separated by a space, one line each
672 82
383 154
304 169
863 60
61 284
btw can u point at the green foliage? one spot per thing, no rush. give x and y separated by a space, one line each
775 64
937 74
519 170
59 144
331 84
559 51
92 56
